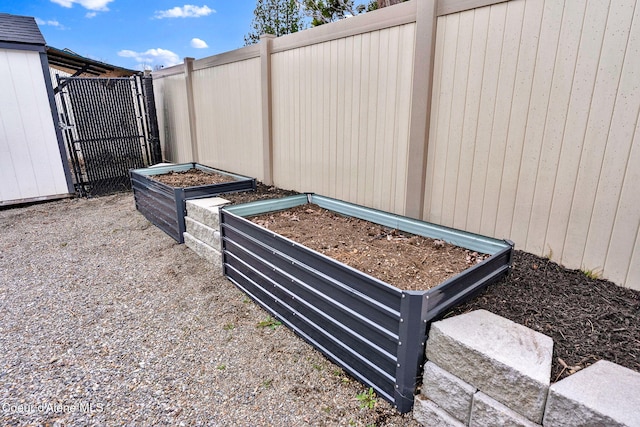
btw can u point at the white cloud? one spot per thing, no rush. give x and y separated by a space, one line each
152 57
63 3
198 43
100 5
186 11
90 14
51 23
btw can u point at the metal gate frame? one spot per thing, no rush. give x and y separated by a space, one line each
101 163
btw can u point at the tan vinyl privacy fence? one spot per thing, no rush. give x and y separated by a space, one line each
514 119
173 116
535 130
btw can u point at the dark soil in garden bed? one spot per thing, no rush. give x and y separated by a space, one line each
588 319
191 178
403 260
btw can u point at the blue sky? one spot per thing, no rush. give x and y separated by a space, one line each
134 34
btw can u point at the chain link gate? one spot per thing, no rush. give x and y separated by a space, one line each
109 126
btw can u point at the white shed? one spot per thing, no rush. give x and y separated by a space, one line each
33 161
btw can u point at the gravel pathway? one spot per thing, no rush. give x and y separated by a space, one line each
105 320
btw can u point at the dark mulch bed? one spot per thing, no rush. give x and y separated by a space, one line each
263 192
588 319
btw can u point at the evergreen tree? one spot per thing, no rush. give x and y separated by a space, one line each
277 17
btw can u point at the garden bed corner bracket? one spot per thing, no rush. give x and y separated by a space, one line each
413 325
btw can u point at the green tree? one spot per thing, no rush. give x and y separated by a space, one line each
379 4
277 17
325 11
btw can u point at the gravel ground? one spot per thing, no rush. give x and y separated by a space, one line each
105 320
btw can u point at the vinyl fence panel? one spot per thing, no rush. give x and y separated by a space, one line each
534 130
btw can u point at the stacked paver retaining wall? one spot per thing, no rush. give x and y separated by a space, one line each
203 229
484 370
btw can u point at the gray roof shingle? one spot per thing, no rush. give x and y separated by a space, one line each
20 29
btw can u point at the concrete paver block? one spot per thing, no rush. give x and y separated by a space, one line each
448 391
503 359
208 235
489 412
429 414
205 251
604 394
206 211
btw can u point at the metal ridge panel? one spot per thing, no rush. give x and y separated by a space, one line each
328 316
456 237
160 170
248 286
263 206
380 290
325 325
389 309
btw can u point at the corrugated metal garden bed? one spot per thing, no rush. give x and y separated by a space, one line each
164 206
373 330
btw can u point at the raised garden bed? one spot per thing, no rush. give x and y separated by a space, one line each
404 260
372 329
164 204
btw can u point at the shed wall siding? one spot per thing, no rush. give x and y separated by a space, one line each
30 162
535 132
